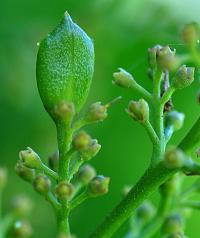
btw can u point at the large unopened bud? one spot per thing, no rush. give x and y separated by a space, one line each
86 173
64 190
65 65
123 79
24 172
166 58
42 184
30 159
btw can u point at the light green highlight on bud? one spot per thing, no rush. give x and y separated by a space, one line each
98 186
139 110
30 159
184 77
91 150
65 65
81 140
22 229
174 119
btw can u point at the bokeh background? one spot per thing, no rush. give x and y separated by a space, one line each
122 31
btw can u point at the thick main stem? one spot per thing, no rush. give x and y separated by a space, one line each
63 222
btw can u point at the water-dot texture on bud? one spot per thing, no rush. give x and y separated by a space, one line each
65 65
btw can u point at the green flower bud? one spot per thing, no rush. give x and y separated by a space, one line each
174 119
81 140
145 212
183 78
152 56
30 159
98 186
64 111
96 112
21 206
139 110
54 161
166 58
64 190
174 158
86 173
42 184
24 172
91 150
65 65
190 34
3 178
22 229
123 79
172 224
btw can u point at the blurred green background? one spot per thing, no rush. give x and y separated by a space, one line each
122 31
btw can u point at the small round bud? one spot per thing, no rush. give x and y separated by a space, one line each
91 150
174 158
22 229
64 190
139 110
172 224
21 206
190 34
98 186
42 184
169 187
174 119
64 111
30 159
96 112
183 78
166 58
3 178
145 212
152 56
86 173
54 161
24 172
123 79
81 140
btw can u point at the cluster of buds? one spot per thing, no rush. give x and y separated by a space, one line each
20 209
85 145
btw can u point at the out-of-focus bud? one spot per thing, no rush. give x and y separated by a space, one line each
64 190
54 161
42 184
169 187
190 34
172 224
66 236
126 190
96 112
3 178
22 229
91 150
81 140
183 78
98 186
64 111
30 159
21 206
176 235
145 212
123 79
174 158
86 173
139 110
166 58
24 172
152 56
174 119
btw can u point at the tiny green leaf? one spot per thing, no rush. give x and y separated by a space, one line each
65 65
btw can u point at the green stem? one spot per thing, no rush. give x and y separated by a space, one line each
53 201
150 181
145 94
49 172
152 134
78 200
167 95
75 168
63 221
